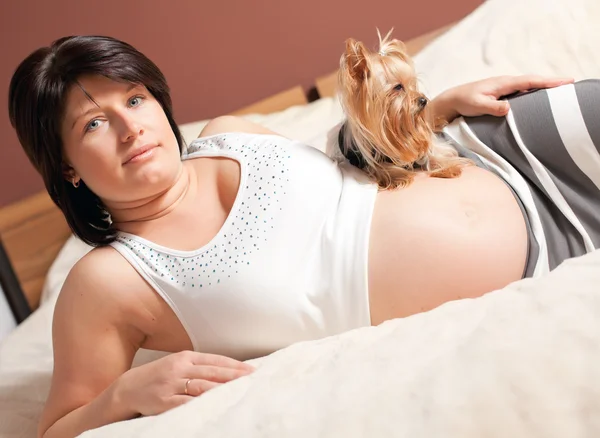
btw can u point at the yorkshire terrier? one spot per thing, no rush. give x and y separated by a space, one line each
389 131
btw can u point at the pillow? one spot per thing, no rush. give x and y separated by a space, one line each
73 250
557 37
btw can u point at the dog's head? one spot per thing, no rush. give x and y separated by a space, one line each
387 115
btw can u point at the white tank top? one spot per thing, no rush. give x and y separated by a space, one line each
290 262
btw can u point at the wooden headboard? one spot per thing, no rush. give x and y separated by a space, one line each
33 230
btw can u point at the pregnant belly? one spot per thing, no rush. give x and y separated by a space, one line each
443 239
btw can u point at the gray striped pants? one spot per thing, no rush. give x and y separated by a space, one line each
547 149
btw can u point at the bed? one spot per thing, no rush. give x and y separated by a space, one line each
518 362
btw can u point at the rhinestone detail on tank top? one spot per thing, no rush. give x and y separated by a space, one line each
245 228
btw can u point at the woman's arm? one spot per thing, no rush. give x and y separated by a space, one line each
96 333
75 407
93 345
482 97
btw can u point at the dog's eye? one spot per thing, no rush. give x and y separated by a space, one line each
399 87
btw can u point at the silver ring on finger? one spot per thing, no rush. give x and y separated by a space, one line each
186 386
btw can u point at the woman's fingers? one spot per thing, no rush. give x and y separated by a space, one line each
216 373
511 84
498 108
177 400
218 361
196 387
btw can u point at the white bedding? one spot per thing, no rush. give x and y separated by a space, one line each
520 362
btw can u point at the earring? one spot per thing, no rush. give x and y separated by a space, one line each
75 183
107 217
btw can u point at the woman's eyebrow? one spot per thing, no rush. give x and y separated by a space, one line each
82 115
131 87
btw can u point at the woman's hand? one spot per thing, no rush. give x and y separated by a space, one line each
158 386
482 97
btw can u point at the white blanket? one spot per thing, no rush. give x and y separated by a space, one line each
521 362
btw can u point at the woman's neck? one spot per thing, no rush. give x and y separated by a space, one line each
127 216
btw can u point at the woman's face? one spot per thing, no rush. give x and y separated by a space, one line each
123 148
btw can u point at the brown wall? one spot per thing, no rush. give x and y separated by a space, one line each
216 55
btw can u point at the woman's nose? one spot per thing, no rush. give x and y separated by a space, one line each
130 129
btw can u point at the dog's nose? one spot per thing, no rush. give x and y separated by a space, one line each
422 101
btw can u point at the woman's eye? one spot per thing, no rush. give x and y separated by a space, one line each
137 99
90 126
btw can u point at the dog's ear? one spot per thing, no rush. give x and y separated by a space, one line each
354 60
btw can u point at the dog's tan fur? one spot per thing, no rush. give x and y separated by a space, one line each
388 121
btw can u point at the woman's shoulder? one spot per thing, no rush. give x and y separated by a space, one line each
228 135
102 274
225 124
98 261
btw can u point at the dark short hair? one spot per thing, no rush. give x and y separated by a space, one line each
36 108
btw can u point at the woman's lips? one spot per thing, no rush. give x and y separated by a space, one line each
141 154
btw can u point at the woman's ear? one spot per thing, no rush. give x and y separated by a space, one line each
70 175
